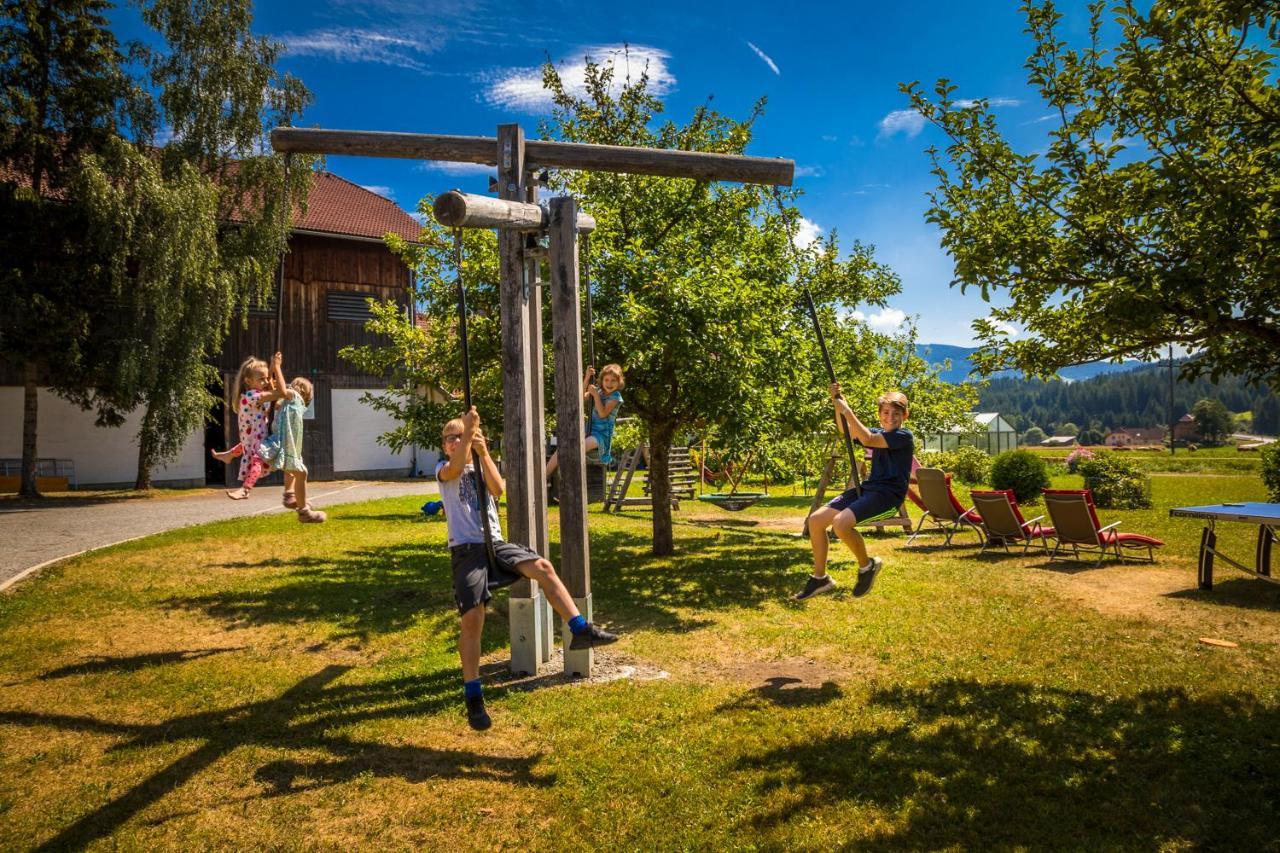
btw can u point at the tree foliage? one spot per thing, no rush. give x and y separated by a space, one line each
1213 422
1150 218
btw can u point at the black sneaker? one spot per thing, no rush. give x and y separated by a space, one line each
477 716
815 586
592 637
867 577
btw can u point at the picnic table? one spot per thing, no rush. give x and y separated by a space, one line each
1266 516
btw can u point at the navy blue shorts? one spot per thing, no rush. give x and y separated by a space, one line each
868 505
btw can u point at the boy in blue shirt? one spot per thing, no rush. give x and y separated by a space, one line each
474 576
891 452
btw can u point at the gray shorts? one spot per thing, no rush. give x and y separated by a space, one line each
474 580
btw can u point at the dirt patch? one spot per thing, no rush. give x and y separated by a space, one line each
606 666
1239 608
774 524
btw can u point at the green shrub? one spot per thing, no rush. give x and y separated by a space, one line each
1116 482
1022 471
972 466
1270 455
967 465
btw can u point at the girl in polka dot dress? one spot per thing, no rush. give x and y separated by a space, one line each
254 396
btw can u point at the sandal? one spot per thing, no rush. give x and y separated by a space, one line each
238 494
290 500
307 515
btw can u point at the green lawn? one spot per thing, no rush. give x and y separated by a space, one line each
262 684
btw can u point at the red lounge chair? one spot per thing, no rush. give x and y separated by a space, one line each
942 507
1003 521
1076 524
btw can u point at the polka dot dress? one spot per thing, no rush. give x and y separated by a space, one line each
255 425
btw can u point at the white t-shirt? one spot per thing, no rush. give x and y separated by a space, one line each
462 515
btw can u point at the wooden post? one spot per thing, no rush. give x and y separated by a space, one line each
517 460
541 540
566 329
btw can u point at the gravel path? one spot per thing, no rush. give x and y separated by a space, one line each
35 536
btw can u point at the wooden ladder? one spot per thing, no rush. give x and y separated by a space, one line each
615 496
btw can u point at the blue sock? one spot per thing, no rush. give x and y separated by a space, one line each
472 688
578 625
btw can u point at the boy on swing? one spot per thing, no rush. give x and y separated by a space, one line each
474 575
884 490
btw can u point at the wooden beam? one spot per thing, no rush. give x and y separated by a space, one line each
456 209
538 153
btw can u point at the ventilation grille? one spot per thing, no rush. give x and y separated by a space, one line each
347 307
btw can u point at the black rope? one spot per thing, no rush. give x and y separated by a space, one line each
285 207
586 274
841 424
482 493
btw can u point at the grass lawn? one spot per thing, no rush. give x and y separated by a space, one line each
257 683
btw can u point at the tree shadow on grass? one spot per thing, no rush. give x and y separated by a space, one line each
785 692
1004 766
1246 593
304 718
131 663
363 591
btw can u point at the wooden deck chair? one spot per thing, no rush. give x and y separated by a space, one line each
942 507
1076 524
1003 521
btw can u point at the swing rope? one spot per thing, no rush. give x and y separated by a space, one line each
482 493
285 209
789 218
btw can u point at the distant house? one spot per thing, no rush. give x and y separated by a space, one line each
1059 441
1135 437
336 260
993 434
1185 429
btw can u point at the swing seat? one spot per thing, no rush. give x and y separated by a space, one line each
733 501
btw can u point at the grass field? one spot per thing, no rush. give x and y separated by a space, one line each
260 684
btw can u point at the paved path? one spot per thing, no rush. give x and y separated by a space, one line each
33 537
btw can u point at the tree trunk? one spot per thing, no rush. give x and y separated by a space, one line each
660 487
29 410
142 481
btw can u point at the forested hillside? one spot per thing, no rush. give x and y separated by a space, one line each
1135 398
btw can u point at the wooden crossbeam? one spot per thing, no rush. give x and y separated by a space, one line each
629 160
456 209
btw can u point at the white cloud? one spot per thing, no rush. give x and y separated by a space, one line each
809 171
806 232
521 88
885 322
907 122
966 103
1005 327
456 168
773 66
376 189
828 137
347 44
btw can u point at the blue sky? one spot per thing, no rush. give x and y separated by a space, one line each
830 72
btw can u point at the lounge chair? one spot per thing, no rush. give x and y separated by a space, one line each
1075 522
1003 521
942 507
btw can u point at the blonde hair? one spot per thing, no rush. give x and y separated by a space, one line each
304 388
894 398
249 365
616 370
461 427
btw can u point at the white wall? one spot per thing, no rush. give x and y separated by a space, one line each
101 454
356 428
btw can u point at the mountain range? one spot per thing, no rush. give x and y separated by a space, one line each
962 363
